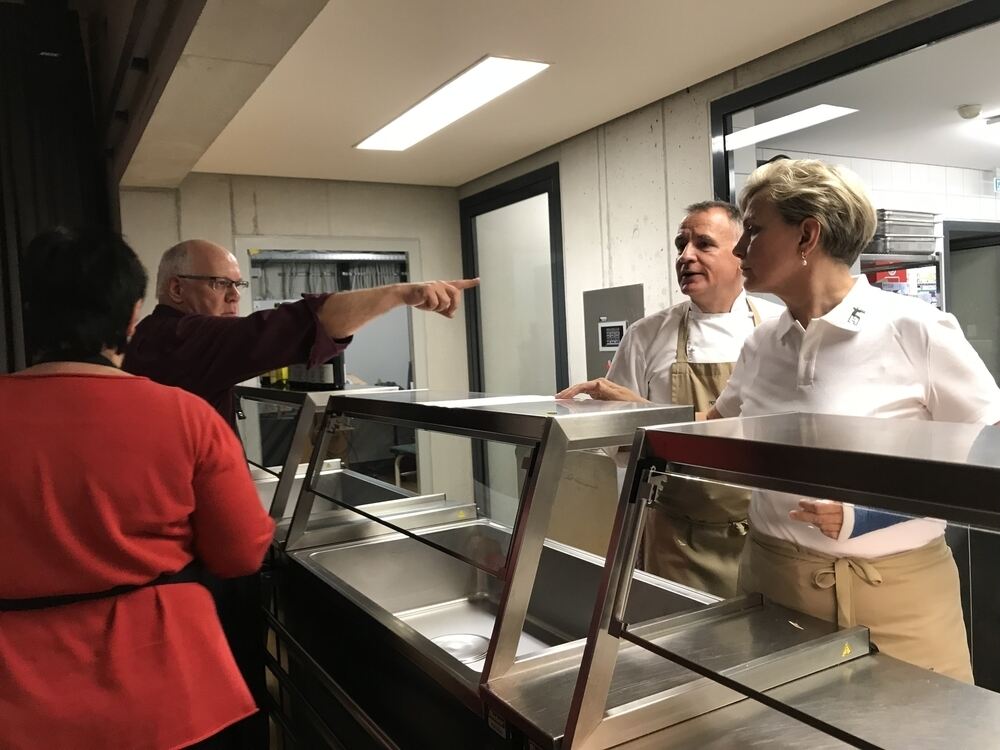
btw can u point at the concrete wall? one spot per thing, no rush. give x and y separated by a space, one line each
624 184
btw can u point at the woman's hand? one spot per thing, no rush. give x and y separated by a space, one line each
825 515
602 389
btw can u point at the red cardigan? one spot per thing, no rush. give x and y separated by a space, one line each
110 480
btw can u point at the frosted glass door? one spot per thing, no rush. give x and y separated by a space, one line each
518 339
515 271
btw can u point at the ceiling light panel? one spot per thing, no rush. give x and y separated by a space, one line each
483 82
787 124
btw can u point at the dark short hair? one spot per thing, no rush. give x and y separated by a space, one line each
734 213
80 287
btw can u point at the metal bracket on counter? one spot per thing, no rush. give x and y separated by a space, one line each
651 485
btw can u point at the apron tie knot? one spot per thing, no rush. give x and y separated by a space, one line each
838 574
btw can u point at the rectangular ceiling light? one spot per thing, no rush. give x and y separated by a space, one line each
484 81
787 124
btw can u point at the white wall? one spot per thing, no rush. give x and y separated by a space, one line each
624 184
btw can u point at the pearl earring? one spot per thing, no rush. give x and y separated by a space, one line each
804 261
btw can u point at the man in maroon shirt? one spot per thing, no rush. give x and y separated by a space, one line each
195 340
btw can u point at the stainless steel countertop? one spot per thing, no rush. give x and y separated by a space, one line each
539 699
884 701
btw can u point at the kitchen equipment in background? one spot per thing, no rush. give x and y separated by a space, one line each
904 232
607 314
906 255
915 281
973 253
380 353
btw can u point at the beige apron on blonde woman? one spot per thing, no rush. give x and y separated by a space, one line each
696 531
909 601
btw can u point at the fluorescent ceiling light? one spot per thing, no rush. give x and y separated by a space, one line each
484 81
787 124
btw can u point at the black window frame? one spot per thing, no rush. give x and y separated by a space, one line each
938 27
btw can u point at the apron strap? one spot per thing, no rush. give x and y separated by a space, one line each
681 356
90 359
190 573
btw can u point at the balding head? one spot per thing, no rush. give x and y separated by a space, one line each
198 258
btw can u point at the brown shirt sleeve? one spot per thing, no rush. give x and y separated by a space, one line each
206 354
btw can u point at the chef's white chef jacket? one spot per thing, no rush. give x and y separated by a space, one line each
649 346
876 354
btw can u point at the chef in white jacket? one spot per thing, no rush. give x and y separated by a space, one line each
684 355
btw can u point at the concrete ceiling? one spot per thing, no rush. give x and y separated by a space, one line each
362 62
906 107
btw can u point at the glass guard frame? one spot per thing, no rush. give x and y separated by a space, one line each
550 433
965 453
309 404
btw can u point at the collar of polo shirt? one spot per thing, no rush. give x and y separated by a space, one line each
850 315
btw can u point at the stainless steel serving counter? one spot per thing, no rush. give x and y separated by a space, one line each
491 634
864 699
461 599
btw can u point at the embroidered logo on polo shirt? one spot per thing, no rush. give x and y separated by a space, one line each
855 317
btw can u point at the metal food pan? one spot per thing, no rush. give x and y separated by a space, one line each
910 228
891 214
902 244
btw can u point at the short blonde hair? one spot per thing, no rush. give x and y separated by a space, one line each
834 196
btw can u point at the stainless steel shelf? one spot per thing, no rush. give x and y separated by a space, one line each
940 469
871 262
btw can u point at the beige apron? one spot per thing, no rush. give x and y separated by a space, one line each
910 601
696 531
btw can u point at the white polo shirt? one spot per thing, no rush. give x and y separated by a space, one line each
876 354
649 347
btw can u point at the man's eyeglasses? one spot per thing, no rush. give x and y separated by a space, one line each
218 283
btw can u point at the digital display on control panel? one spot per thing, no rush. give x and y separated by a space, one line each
611 334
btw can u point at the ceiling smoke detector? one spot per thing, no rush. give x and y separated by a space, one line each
969 111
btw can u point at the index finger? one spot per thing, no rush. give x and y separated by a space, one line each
464 283
820 507
454 299
588 387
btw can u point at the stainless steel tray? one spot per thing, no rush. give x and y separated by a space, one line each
901 243
905 227
891 214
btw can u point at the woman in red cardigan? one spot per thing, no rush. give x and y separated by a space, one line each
113 488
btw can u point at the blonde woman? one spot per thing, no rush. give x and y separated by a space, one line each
844 347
